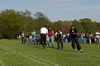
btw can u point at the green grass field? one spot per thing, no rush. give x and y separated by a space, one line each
13 53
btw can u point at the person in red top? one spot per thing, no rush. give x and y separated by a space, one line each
51 36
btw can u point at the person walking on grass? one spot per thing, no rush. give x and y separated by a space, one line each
37 37
33 36
51 36
59 38
27 37
19 38
43 34
30 40
97 37
23 37
75 39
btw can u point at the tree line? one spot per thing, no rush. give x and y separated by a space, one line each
13 22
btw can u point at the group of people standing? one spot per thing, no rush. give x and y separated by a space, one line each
29 37
46 36
90 38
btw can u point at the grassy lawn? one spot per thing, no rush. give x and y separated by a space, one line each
13 53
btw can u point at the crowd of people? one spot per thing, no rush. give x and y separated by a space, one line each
85 38
47 36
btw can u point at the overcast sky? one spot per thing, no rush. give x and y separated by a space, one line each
57 9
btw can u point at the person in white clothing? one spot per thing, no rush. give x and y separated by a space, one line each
97 37
43 33
30 40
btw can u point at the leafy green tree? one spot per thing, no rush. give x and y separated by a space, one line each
58 25
88 25
78 26
41 20
98 27
11 19
13 22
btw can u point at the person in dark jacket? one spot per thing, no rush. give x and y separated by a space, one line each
75 39
59 39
